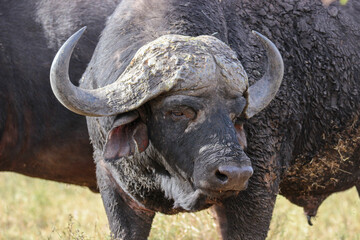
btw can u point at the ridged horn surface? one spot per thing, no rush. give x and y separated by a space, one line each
135 86
157 67
81 101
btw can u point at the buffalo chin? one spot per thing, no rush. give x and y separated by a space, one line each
177 195
187 199
144 180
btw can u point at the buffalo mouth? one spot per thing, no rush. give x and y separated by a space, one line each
195 197
216 196
186 198
171 192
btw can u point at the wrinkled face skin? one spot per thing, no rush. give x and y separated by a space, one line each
196 145
187 144
197 135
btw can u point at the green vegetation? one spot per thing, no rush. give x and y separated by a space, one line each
38 209
328 2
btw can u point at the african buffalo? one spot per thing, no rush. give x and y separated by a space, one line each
38 136
168 104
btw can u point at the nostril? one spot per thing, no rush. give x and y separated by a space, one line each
234 176
222 177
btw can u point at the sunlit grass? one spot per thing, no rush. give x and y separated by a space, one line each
38 209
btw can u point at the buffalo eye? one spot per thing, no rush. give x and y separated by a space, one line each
177 113
182 113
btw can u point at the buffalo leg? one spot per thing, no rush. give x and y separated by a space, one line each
358 188
248 215
126 222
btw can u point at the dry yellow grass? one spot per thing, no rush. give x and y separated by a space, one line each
38 209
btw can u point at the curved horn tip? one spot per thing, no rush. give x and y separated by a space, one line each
257 34
263 91
59 78
262 38
71 42
87 102
81 31
75 37
66 48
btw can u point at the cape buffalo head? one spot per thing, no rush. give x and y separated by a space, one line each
177 108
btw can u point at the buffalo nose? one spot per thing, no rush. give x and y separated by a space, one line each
233 177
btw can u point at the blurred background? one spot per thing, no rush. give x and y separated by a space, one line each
38 209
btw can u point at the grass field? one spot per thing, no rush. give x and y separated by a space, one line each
38 209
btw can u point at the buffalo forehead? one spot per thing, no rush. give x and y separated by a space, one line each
182 63
204 62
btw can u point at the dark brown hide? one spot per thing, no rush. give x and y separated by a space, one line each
38 136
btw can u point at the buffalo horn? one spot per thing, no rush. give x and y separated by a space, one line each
87 102
263 91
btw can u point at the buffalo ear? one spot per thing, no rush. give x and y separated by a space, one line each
240 135
128 135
